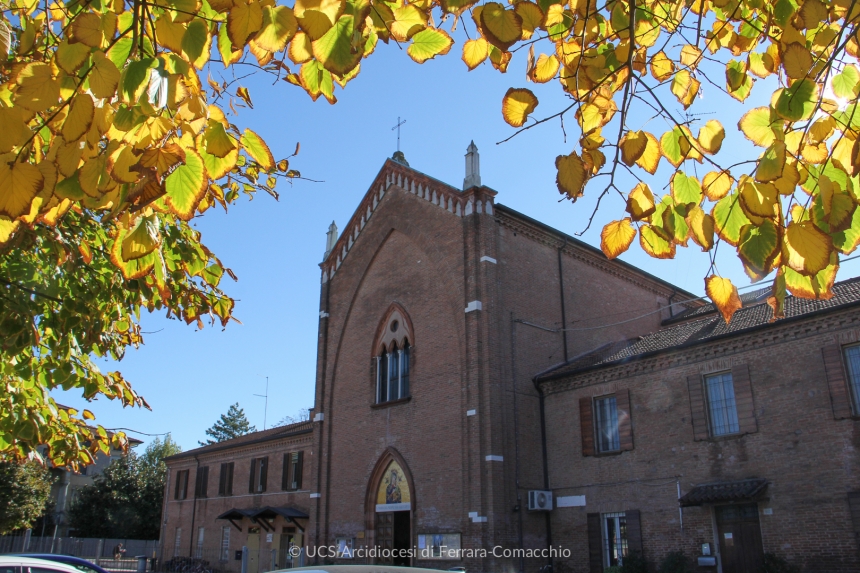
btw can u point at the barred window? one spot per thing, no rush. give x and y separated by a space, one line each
852 363
614 538
722 408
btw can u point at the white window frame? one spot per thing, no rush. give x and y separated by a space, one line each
732 424
201 532
619 542
177 542
614 442
225 543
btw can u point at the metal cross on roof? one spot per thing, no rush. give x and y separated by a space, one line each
397 127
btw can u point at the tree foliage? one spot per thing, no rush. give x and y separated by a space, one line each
125 501
301 415
115 135
25 489
230 425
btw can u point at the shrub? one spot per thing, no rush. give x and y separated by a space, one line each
634 562
775 564
675 562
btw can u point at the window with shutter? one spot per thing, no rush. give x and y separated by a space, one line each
625 420
228 489
285 474
844 390
264 470
586 422
181 485
697 408
606 424
252 481
722 407
201 485
222 481
297 472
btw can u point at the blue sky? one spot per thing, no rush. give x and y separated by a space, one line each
190 377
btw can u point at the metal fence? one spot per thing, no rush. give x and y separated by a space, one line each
243 560
98 550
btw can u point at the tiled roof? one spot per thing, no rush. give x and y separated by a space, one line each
254 437
747 299
725 491
697 331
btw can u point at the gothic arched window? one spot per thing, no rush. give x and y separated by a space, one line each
393 357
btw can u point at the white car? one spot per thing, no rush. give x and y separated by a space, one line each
16 564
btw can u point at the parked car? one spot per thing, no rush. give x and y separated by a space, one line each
77 562
21 564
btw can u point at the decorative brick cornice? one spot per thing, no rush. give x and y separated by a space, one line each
575 250
702 357
477 200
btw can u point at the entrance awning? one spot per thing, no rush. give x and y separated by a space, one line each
727 491
259 515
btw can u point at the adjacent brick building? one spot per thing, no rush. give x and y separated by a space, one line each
433 427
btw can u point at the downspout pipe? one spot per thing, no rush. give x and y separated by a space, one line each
193 508
561 297
545 465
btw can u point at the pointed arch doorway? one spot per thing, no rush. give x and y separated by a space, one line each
389 508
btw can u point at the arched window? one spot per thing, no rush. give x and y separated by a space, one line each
392 373
393 355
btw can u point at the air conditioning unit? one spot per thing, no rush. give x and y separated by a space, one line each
540 500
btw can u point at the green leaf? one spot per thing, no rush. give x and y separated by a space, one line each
428 44
196 40
335 50
758 245
686 190
847 84
186 186
798 101
279 27
120 52
257 149
135 79
729 218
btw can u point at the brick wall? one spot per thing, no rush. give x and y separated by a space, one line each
809 458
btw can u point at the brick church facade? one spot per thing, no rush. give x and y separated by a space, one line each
486 383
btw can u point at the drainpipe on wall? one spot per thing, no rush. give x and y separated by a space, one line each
517 440
561 297
193 510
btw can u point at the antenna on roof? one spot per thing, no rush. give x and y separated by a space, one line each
266 396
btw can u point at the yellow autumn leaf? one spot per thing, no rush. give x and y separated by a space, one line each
104 77
300 50
771 163
545 68
711 136
87 29
616 237
12 127
690 56
662 67
655 244
716 185
532 16
279 26
633 145
724 295
806 249
701 227
685 87
475 52
640 202
571 175
79 118
796 61
19 185
243 21
650 158
759 199
37 89
501 27
517 104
